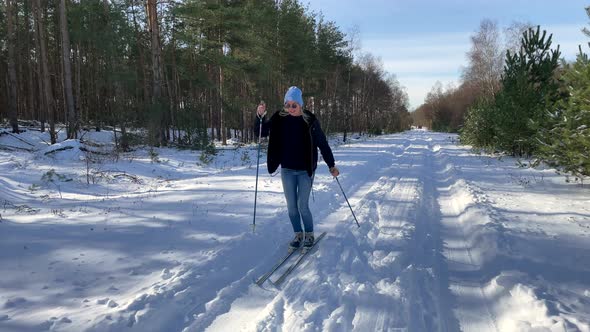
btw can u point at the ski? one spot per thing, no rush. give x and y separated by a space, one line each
293 266
280 263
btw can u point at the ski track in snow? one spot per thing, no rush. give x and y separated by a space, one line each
449 241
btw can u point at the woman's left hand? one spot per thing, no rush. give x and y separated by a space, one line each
334 171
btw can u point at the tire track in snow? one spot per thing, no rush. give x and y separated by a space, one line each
424 279
322 293
367 273
473 304
417 301
516 280
383 254
389 274
366 269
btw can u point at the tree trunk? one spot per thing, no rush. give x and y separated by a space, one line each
12 84
42 110
31 107
348 106
141 61
160 116
78 100
172 86
67 76
31 92
156 50
45 70
221 115
221 119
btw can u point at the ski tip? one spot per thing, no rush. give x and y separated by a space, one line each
259 282
262 286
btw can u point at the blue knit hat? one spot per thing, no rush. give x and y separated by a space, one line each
294 94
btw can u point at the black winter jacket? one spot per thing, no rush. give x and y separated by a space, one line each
312 137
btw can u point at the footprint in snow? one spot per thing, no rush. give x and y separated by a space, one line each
108 302
13 303
45 326
166 274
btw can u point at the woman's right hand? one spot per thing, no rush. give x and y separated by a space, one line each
261 110
334 171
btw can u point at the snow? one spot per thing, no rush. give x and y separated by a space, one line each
449 240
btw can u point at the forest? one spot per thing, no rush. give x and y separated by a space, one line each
189 73
184 72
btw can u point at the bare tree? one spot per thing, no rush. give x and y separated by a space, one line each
353 46
486 59
513 35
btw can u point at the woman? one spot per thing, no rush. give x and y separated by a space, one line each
295 136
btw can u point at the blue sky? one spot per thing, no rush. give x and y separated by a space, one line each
424 41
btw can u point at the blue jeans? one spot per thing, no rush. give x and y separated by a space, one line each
297 187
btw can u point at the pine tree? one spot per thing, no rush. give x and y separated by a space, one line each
478 129
567 144
529 89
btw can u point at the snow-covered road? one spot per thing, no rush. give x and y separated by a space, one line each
449 241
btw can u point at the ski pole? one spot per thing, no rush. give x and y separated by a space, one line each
260 117
357 222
